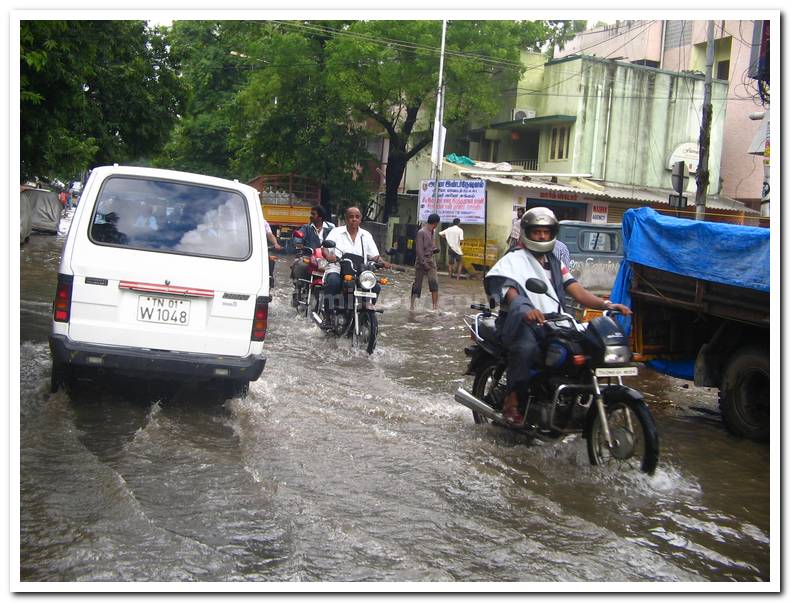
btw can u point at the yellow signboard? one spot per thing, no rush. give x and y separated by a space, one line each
473 252
294 215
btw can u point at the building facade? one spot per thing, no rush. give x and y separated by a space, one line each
680 46
589 138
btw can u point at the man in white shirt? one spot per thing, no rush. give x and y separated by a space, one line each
349 240
454 236
270 236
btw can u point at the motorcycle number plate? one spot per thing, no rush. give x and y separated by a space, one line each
364 294
622 371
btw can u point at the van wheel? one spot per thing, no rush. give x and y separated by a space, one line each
60 376
744 394
236 388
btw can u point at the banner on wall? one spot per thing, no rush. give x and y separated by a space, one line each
463 199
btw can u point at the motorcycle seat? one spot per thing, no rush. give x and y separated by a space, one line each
488 331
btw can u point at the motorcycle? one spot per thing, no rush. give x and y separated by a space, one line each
355 317
578 389
307 291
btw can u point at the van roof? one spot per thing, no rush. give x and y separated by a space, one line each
129 170
590 224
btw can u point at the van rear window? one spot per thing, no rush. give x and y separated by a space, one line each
174 217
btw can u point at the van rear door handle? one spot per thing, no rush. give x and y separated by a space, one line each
168 289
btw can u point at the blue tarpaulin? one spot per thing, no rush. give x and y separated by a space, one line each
722 253
681 369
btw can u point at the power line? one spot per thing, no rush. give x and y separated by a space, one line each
382 41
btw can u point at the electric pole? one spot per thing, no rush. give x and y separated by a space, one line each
438 144
702 176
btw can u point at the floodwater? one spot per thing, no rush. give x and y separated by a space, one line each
342 467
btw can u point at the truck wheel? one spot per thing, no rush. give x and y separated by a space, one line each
744 394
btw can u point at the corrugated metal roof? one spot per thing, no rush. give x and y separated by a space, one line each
615 192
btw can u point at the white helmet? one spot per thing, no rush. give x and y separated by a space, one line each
539 216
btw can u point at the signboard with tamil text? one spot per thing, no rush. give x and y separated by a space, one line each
463 199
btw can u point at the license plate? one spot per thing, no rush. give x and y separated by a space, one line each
622 371
364 294
165 310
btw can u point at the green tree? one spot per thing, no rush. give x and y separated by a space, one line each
287 120
93 92
258 104
200 142
388 71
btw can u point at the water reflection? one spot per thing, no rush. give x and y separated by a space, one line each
341 466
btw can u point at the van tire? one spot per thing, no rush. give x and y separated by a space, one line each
744 394
236 388
60 376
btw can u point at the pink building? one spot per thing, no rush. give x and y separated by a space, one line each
681 46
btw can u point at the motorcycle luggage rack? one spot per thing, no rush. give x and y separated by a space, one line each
484 312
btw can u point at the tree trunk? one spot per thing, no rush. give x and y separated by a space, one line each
396 164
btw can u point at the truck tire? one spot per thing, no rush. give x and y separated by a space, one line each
744 394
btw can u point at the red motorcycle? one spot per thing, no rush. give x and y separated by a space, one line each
307 283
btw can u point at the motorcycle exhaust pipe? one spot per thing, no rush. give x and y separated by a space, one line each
467 399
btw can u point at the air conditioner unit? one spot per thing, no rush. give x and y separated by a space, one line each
522 114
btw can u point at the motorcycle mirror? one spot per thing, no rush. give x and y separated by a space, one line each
535 285
328 244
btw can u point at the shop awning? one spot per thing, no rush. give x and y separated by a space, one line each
529 123
620 193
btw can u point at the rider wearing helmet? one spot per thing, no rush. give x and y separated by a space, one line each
520 308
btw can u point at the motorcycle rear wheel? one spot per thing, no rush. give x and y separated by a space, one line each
636 442
487 389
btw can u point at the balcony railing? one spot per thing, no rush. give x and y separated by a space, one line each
530 165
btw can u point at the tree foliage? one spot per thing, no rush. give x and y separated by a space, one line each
310 96
258 104
388 71
93 92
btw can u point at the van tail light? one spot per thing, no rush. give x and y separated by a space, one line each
260 318
61 307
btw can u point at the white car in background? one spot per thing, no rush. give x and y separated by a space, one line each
164 274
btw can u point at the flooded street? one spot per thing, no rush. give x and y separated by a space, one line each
343 467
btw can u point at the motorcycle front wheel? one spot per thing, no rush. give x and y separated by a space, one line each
489 388
633 434
369 329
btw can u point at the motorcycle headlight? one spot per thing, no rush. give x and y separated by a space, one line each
322 263
617 354
367 280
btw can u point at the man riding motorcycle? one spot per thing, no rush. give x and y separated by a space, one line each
313 235
350 240
521 309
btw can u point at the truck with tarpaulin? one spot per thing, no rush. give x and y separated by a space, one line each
699 292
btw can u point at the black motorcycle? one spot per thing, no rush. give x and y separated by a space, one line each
355 315
579 388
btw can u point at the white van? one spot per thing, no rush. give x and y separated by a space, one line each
164 274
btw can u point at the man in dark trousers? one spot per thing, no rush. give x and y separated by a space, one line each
313 235
424 262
